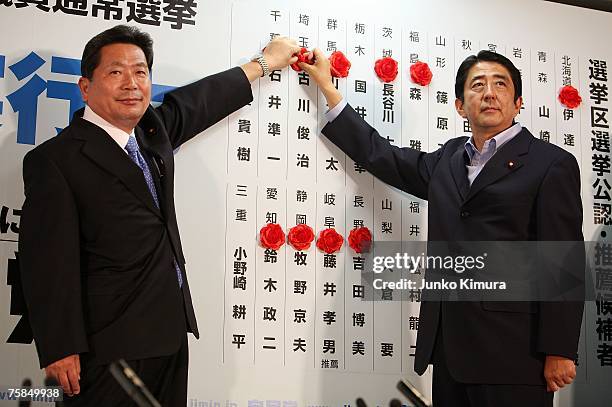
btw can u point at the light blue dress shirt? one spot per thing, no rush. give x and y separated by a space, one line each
478 159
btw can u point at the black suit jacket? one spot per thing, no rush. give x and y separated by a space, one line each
96 253
535 198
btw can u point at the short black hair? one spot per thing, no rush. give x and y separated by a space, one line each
487 56
120 34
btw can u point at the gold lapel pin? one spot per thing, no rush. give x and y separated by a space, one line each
510 164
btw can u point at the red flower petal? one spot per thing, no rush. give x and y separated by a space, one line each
420 73
300 237
360 239
301 54
339 65
386 69
569 97
330 241
272 236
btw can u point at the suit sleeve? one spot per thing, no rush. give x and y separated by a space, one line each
559 218
49 254
191 109
405 168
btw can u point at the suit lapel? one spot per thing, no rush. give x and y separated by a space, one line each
507 160
104 151
157 160
459 172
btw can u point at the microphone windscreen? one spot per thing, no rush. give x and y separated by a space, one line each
361 403
51 382
25 383
395 403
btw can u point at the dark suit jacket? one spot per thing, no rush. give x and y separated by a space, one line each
537 198
96 253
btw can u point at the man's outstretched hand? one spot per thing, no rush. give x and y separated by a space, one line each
279 53
320 72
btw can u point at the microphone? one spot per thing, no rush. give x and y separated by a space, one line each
132 384
412 394
26 403
361 403
395 403
51 382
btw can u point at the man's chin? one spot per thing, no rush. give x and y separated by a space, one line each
488 124
133 117
133 111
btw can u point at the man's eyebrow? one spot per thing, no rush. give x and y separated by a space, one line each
117 63
496 75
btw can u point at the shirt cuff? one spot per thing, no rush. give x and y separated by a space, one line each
331 114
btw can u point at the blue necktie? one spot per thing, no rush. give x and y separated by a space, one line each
136 156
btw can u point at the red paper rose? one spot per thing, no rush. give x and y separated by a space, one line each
386 69
360 239
300 237
420 73
339 65
272 236
301 54
569 97
329 240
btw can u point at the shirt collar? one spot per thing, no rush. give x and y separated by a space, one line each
495 142
120 136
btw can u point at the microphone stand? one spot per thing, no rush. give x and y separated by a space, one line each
131 383
412 394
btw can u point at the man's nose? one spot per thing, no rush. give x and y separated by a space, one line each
490 91
129 81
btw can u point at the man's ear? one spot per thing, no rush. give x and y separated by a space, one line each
459 108
84 87
518 103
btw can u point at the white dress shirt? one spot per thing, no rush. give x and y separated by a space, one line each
120 136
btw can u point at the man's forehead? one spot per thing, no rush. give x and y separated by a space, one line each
487 68
121 54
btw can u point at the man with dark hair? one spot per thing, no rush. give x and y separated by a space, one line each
102 266
501 184
123 34
487 56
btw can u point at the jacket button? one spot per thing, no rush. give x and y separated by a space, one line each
465 214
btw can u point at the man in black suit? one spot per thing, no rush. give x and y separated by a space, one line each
102 267
501 184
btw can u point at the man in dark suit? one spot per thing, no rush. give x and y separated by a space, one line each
102 267
501 184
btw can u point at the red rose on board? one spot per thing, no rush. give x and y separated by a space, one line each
301 54
272 236
360 239
329 240
340 65
569 97
300 237
386 69
420 73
